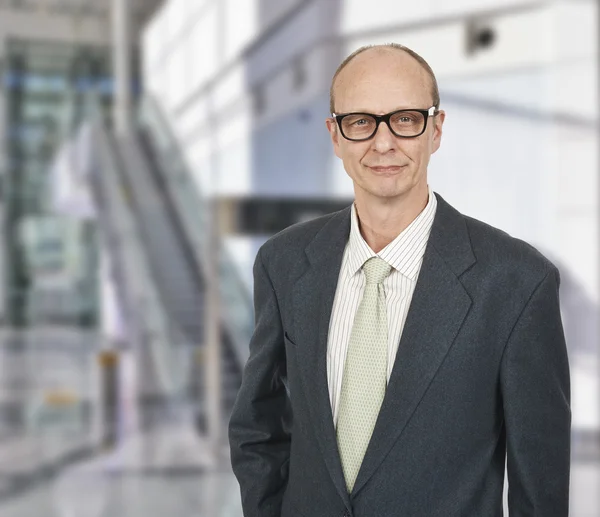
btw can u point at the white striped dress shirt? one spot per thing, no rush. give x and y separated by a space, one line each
405 255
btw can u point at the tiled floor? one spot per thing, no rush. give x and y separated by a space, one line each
160 474
94 494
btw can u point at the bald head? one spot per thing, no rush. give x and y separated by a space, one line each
370 58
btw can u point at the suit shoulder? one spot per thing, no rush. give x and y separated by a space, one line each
496 248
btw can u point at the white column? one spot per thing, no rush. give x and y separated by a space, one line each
212 312
122 30
3 178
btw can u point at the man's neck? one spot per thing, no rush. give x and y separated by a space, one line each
380 223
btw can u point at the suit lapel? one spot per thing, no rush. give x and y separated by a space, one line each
437 311
313 296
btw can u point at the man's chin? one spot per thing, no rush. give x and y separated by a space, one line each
387 193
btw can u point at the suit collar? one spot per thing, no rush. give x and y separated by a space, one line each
405 252
448 235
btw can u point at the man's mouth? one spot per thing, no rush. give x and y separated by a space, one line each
386 168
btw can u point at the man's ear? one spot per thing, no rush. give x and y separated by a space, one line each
334 134
437 130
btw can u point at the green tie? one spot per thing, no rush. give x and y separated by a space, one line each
365 372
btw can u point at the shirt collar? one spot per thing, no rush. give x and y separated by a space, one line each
405 252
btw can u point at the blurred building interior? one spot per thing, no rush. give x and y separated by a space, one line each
150 147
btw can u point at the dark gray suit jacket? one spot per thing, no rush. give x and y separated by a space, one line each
481 375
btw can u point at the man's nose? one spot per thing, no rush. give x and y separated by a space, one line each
384 139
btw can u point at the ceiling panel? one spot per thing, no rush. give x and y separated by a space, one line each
142 9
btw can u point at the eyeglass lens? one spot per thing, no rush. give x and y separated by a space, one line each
404 123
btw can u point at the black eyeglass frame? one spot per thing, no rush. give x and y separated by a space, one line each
431 112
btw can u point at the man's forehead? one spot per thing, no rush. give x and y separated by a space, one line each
381 94
382 77
381 60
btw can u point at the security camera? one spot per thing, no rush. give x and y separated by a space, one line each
480 35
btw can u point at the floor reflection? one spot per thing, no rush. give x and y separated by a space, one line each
96 494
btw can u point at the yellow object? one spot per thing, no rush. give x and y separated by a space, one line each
60 398
108 358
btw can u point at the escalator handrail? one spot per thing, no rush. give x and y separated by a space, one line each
149 104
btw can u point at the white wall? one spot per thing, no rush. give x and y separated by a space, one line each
204 84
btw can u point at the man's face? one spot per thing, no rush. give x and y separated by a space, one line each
386 166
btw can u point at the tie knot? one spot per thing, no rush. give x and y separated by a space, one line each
376 270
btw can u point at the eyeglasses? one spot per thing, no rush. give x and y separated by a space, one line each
408 123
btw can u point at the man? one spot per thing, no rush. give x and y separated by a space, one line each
402 351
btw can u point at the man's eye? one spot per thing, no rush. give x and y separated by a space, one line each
361 122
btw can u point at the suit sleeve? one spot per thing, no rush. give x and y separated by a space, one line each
259 427
535 384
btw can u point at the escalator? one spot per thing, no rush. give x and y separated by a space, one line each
174 267
179 283
172 232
